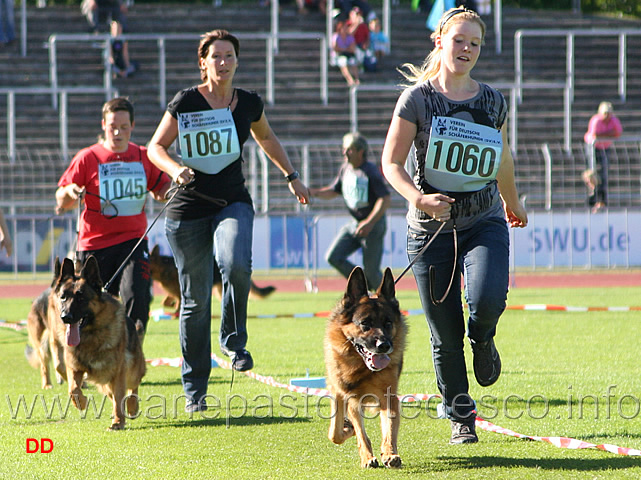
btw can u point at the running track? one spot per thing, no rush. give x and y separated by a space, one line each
623 278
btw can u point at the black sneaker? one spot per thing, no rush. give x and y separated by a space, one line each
463 431
487 362
241 360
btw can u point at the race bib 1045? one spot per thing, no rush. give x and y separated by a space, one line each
123 188
462 156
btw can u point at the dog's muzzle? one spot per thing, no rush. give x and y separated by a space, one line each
374 361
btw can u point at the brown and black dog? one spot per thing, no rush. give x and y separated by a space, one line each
364 344
40 358
163 271
89 334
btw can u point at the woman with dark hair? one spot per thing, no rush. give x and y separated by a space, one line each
462 196
214 213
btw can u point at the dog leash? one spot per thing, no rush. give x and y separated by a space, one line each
421 252
432 270
433 274
175 189
78 217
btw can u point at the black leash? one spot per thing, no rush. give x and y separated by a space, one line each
216 201
432 270
122 265
422 251
433 274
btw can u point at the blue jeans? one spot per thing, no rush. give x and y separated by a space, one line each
483 259
346 243
229 234
7 22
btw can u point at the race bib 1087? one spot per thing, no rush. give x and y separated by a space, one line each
208 141
462 156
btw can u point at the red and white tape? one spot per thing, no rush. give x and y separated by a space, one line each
560 442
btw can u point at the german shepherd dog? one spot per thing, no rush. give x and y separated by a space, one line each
163 271
89 334
39 337
364 344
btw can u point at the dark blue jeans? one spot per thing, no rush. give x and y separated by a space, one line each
228 234
346 243
483 260
133 284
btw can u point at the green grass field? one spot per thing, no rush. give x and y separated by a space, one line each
565 374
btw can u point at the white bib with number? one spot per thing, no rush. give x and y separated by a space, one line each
462 156
123 188
208 140
355 190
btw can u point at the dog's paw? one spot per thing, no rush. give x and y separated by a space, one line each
79 400
117 426
371 462
348 429
391 461
132 406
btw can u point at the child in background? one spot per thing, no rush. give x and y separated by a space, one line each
121 65
378 41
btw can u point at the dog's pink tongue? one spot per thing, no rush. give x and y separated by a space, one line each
380 361
73 335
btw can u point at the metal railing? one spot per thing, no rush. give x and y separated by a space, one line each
512 116
160 39
63 93
570 35
590 147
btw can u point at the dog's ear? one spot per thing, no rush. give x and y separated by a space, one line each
66 270
155 251
387 289
57 267
91 273
356 285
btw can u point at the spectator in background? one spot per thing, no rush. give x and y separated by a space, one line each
358 28
100 12
7 23
603 125
469 4
378 41
344 53
367 198
343 7
121 65
5 239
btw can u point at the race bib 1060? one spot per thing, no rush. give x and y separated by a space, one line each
462 156
208 140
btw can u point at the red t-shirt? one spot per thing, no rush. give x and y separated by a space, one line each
97 230
361 34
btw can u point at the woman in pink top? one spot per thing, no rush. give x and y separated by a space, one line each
603 125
